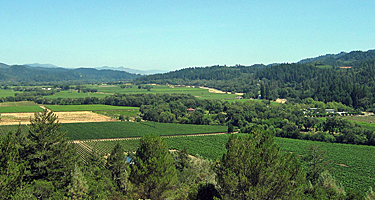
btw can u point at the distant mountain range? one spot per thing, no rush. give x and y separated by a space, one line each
38 73
42 65
134 71
129 70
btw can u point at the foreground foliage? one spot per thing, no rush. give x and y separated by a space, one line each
255 168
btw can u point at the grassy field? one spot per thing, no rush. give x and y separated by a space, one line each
366 121
20 103
7 92
74 94
361 118
93 107
323 66
18 107
107 90
244 100
198 92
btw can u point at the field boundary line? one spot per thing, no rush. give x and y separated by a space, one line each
137 138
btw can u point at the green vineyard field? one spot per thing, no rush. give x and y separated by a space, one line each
353 165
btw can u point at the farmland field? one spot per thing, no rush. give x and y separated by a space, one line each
74 94
198 92
93 107
7 92
78 131
19 107
366 121
107 90
19 103
103 130
353 165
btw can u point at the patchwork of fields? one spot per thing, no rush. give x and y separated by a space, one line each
106 90
353 165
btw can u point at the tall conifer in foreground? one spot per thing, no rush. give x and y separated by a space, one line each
11 166
153 171
119 168
51 157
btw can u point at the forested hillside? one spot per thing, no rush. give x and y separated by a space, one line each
351 86
229 79
344 77
24 73
342 58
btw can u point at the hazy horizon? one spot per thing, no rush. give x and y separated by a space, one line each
167 35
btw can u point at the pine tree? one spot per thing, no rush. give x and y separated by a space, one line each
255 168
50 156
153 171
11 166
117 164
78 187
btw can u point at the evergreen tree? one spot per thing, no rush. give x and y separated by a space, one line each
153 171
317 163
117 164
255 168
51 157
327 188
78 187
11 166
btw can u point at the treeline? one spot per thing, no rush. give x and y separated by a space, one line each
229 79
283 120
341 59
42 164
290 121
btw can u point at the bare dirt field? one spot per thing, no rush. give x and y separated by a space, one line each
63 117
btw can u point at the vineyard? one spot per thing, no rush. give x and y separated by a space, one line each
353 164
103 130
20 109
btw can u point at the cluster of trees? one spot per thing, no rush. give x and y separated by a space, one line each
42 164
229 79
352 87
289 120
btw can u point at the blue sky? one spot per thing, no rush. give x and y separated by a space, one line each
176 34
